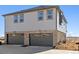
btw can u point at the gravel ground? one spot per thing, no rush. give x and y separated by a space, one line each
17 49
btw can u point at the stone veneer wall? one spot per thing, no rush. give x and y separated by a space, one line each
57 36
61 36
26 36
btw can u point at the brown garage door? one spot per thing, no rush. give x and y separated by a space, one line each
17 39
44 39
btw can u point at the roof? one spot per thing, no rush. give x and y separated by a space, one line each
34 9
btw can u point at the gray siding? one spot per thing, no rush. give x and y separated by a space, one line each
31 22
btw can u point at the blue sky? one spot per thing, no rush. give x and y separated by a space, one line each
71 13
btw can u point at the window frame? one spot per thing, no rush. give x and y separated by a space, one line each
49 14
15 18
40 17
21 18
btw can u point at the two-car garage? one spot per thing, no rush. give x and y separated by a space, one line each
35 39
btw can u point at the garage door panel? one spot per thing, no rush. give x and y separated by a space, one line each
44 39
34 40
17 39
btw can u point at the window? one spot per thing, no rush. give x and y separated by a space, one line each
21 17
16 19
60 18
40 15
50 14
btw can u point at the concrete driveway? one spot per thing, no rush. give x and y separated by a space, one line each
17 49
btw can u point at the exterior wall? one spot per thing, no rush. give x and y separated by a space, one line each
54 38
26 36
61 36
63 27
57 36
31 22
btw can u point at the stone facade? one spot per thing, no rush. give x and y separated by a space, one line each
56 37
26 38
61 36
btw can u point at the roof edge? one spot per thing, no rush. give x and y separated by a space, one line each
34 9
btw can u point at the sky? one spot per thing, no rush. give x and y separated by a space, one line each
71 13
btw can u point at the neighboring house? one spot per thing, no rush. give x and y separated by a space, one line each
72 38
2 40
38 26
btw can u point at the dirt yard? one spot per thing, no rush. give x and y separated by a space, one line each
69 45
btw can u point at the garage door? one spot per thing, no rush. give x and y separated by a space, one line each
44 39
17 39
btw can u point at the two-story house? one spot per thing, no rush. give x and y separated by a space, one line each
38 26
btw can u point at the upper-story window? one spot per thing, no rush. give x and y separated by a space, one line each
49 14
15 18
21 17
40 15
60 18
